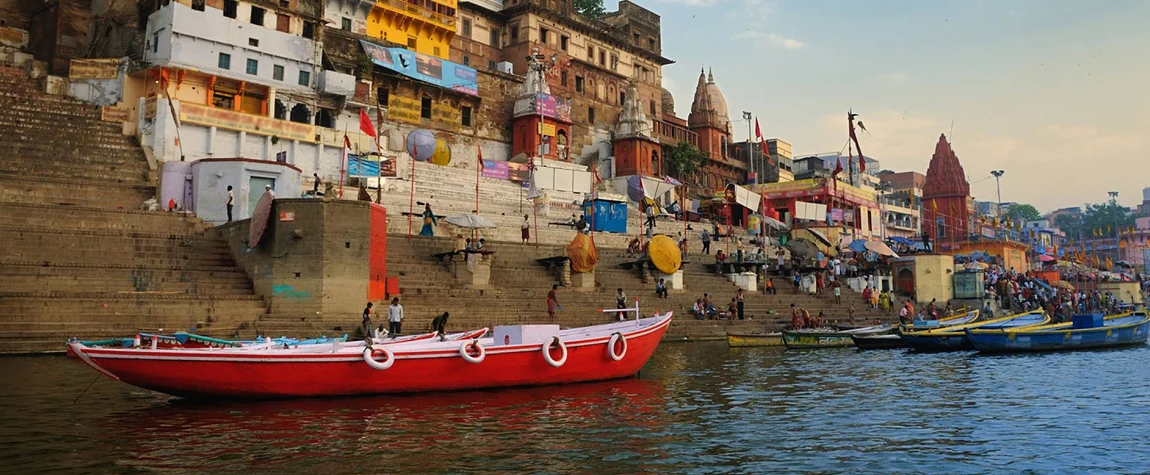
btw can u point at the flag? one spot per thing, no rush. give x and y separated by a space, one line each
952 212
671 181
532 191
855 139
479 162
934 204
762 142
365 124
838 167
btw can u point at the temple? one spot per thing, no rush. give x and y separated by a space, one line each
946 197
710 122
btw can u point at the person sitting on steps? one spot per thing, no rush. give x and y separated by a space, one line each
661 288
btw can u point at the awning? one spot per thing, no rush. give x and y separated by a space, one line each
818 235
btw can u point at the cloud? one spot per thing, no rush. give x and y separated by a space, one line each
895 78
765 38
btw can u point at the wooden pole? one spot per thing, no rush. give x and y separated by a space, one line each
411 205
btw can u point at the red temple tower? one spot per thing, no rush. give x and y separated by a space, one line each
636 149
945 195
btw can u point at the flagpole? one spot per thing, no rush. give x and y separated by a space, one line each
411 205
343 161
478 168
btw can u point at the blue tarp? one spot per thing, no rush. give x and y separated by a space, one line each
610 216
902 240
858 245
362 167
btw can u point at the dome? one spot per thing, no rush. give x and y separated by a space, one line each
669 103
709 109
718 103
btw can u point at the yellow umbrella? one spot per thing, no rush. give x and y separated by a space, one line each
664 254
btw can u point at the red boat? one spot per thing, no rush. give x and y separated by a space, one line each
526 355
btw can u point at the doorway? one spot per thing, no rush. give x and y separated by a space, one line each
256 190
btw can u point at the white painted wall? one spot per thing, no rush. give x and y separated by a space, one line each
210 181
180 36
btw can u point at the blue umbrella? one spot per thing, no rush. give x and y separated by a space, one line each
858 245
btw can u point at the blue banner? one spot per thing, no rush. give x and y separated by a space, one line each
430 69
362 167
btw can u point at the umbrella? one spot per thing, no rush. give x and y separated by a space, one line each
879 248
902 240
1062 284
774 223
1045 258
802 247
820 236
858 245
471 221
665 254
423 141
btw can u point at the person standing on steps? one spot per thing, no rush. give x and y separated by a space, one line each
525 230
231 202
429 220
315 185
553 301
394 317
739 301
621 302
366 324
706 237
838 292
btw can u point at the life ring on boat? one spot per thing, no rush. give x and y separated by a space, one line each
369 355
547 352
467 356
617 337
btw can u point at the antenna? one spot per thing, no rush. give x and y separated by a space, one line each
952 131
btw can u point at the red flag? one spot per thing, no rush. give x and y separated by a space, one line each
346 142
758 134
365 124
838 167
480 164
762 142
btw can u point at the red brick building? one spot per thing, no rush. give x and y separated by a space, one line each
712 126
945 195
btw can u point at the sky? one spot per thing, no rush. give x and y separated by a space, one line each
1053 92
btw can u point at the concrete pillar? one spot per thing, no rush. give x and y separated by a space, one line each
583 281
673 281
211 140
267 152
745 280
294 150
476 276
240 143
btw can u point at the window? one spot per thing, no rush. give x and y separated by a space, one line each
591 53
466 29
636 38
491 64
225 61
578 83
253 42
382 94
425 108
467 60
257 17
591 115
514 33
253 67
940 229
345 24
285 3
223 100
602 57
465 114
622 97
230 7
651 44
305 78
435 51
563 43
325 118
411 42
652 107
614 62
309 30
198 5
563 78
278 72
283 23
155 42
543 35
495 38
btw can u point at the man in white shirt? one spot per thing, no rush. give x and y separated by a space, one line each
525 229
394 317
231 201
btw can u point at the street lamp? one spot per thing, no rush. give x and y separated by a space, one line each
750 151
998 185
1117 245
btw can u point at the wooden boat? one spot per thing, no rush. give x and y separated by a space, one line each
540 355
737 340
829 338
890 341
1114 331
954 338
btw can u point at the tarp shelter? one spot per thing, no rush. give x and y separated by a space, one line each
606 215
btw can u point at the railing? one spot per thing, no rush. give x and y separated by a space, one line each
416 10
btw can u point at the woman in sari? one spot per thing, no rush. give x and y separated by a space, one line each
428 221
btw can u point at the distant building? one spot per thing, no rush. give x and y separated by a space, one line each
774 167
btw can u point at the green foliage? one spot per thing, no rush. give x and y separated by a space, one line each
682 160
1019 212
1105 219
592 9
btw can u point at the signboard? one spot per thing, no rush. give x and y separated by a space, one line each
810 211
547 130
848 216
94 69
968 285
257 124
988 232
287 216
387 167
837 215
114 114
554 107
150 108
404 109
445 115
429 69
495 169
518 172
362 167
747 198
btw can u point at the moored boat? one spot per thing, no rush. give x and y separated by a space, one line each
1084 332
527 355
954 338
740 340
829 338
891 341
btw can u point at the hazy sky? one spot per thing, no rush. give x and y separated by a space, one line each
1054 92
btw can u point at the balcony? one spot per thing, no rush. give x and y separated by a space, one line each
416 11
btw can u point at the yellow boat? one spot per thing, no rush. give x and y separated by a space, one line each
740 340
954 338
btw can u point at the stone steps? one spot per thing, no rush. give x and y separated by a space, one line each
51 217
15 187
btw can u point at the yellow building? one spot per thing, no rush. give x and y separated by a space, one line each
424 26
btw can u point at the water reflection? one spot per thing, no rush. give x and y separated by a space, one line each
698 408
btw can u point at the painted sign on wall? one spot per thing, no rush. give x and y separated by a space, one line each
94 69
429 69
403 109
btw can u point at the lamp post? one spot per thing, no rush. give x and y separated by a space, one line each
750 151
536 63
1117 240
998 185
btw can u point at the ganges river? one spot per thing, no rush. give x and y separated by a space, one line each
696 408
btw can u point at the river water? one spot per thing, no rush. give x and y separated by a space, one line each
696 408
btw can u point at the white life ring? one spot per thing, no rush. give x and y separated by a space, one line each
547 352
369 358
617 337
467 356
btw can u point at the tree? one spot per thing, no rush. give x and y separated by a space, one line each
592 9
1097 221
682 160
1020 212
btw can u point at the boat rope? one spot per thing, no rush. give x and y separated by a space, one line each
85 391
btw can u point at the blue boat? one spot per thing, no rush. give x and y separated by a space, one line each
1085 332
955 339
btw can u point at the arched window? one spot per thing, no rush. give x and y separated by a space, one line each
561 141
655 162
723 146
300 114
